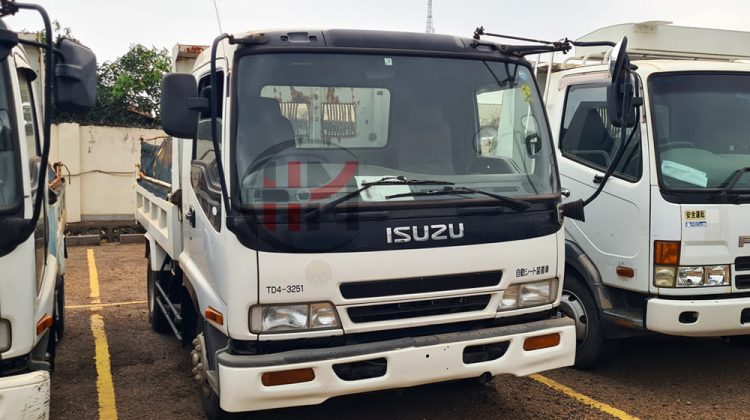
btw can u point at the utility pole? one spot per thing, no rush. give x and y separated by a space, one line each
430 27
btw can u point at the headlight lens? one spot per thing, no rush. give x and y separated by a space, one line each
664 276
288 318
525 295
717 275
691 276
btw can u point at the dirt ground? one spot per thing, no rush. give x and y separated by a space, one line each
653 377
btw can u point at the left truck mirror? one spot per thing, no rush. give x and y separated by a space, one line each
8 40
75 77
180 105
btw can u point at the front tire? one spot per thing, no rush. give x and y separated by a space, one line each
156 316
592 347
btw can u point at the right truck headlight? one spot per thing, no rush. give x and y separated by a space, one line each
669 273
524 295
692 276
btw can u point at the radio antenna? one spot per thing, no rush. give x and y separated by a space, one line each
218 18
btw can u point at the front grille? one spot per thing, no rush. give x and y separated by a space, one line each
742 282
742 264
380 288
414 309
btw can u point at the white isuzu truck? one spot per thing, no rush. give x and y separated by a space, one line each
32 214
346 211
666 247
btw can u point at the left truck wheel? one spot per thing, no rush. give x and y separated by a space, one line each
59 308
156 316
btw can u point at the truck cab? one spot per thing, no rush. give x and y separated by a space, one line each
351 211
32 213
665 247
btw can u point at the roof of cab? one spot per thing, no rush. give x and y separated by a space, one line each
353 39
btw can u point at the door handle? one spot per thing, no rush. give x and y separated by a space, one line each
598 179
190 216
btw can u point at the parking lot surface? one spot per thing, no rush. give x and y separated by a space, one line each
110 363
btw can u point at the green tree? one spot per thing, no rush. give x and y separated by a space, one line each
128 89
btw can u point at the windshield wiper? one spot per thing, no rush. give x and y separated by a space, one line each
387 180
724 194
515 204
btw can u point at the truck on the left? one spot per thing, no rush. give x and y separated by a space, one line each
31 244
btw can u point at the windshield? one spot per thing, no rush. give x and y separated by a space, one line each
9 169
701 129
311 128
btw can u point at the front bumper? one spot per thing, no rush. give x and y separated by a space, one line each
715 317
25 396
411 361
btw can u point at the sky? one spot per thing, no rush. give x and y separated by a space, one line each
109 27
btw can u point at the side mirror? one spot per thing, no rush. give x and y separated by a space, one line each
180 105
532 138
621 87
75 77
8 40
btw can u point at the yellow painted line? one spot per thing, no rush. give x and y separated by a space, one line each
105 387
104 305
606 408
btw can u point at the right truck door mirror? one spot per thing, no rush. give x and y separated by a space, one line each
621 92
75 77
180 105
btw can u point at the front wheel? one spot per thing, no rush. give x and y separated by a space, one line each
577 302
209 398
59 308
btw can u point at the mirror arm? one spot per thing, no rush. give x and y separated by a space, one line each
11 7
215 123
624 141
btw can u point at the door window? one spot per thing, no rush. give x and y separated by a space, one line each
588 137
204 172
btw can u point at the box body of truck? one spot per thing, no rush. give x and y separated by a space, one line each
317 284
662 248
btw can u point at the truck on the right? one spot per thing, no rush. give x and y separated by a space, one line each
666 246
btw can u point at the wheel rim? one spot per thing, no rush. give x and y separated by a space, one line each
572 307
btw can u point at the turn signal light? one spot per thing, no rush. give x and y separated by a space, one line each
44 323
286 377
214 315
666 252
541 342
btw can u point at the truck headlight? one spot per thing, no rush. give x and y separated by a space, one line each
5 336
523 295
691 276
289 318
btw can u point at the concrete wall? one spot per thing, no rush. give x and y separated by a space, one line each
102 164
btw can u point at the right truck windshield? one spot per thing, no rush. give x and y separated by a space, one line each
701 130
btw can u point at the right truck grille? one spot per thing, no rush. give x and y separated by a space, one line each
742 281
414 309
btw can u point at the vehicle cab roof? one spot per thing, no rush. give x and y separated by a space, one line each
354 40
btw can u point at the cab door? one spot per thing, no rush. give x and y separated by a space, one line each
202 202
616 231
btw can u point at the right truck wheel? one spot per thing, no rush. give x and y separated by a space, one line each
156 317
577 302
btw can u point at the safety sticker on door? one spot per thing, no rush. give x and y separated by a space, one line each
695 218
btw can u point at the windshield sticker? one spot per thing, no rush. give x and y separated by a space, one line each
695 218
684 173
527 93
380 192
388 61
